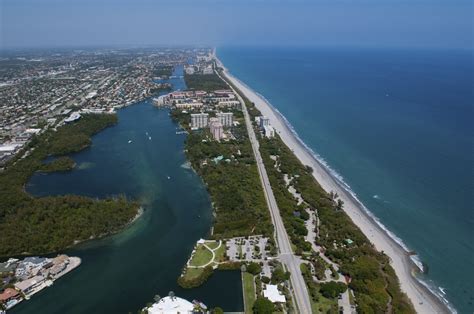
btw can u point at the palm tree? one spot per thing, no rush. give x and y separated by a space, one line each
157 298
171 294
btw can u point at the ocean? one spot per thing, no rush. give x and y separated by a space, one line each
396 125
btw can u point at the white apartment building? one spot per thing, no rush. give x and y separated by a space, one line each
161 100
199 120
229 103
269 131
264 121
189 105
223 97
225 118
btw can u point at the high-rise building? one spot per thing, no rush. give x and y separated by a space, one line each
225 118
199 120
264 121
216 128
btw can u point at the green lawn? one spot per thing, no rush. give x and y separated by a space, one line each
212 245
201 257
192 273
249 291
220 252
324 305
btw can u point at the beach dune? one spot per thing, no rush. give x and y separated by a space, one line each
422 298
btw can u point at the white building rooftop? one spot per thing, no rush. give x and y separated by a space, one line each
271 293
8 148
171 305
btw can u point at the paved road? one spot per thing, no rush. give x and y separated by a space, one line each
287 257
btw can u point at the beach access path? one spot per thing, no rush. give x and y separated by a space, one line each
286 256
422 298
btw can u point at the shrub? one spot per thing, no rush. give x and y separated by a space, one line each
332 289
254 268
263 306
195 282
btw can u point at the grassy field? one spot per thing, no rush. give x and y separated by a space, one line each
201 257
249 291
220 252
212 245
192 273
324 305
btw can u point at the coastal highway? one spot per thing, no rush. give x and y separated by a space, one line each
287 257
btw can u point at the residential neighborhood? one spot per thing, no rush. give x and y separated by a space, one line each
21 279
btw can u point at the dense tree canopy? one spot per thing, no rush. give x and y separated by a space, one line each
47 224
254 268
208 82
373 280
332 289
263 306
233 181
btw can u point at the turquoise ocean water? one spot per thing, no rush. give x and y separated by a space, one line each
397 127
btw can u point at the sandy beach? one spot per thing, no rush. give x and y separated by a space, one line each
422 298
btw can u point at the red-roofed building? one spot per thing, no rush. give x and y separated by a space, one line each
9 294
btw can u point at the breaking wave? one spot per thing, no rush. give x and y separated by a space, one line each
437 291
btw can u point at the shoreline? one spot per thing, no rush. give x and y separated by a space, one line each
424 300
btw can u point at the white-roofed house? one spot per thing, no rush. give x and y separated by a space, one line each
272 293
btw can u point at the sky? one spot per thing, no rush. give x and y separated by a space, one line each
379 23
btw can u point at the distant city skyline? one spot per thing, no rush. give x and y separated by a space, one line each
76 23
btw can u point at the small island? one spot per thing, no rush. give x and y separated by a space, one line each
41 225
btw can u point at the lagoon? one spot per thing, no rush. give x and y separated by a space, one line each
121 273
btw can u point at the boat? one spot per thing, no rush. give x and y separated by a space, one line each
149 137
168 177
129 141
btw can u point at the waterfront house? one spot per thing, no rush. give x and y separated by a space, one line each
8 295
28 285
269 131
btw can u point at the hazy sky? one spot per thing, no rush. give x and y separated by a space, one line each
48 23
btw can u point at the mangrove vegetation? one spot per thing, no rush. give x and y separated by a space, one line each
39 225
